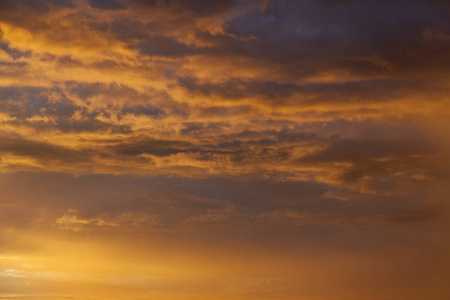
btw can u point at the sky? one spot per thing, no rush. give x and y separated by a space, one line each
225 149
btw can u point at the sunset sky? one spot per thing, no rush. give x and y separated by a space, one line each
225 149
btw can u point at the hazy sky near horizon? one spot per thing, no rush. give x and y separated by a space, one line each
225 149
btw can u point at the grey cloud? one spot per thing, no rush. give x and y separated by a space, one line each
27 102
107 4
43 152
153 195
423 215
129 30
88 124
197 7
203 128
357 150
144 110
144 145
38 5
360 91
221 111
165 46
205 7
285 140
237 89
378 166
14 53
309 37
238 152
123 94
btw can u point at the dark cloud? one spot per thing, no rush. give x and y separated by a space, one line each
42 151
221 111
14 53
203 128
357 150
88 90
23 103
309 37
197 7
129 30
88 124
106 4
165 46
151 146
311 94
238 89
38 5
423 215
144 110
204 7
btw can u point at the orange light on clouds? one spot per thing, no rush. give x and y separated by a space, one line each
224 149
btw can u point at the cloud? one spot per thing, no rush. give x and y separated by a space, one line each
357 150
42 151
227 137
70 221
197 7
106 4
165 46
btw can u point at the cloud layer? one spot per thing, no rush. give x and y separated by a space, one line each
312 126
